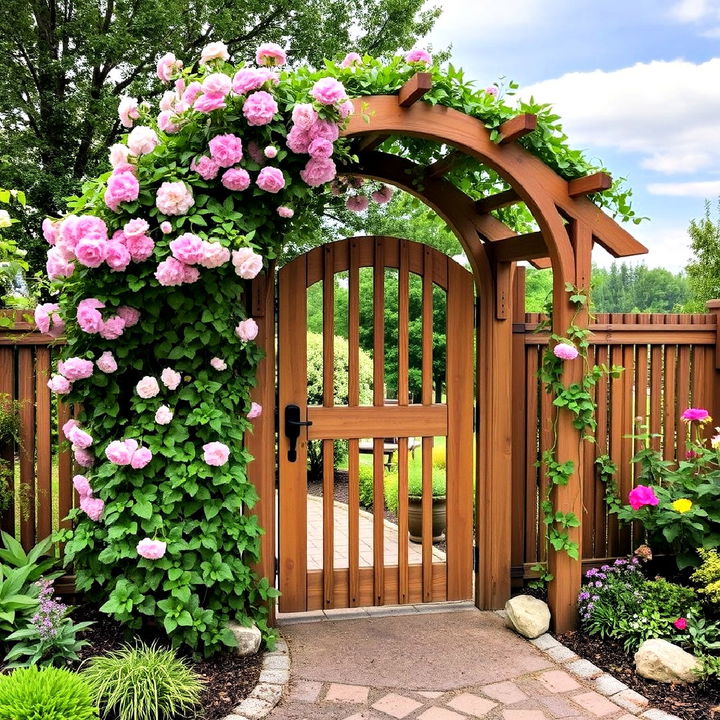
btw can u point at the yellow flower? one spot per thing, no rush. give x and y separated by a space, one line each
682 505
715 441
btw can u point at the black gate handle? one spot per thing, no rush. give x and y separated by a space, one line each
292 429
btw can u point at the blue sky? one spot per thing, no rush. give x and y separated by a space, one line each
637 83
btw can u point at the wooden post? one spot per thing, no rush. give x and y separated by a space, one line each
564 589
713 307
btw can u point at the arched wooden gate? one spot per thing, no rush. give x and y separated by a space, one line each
390 577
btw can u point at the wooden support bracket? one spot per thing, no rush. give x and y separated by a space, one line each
516 128
414 89
519 247
597 182
443 166
371 141
497 201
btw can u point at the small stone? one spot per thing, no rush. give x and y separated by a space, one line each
655 714
664 662
528 616
248 638
276 662
545 642
608 685
561 654
253 708
274 677
631 700
584 669
267 692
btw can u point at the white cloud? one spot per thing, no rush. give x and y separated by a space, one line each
664 111
700 189
695 10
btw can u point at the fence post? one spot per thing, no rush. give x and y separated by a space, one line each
713 307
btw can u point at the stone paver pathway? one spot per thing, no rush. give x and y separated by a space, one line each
435 666
315 538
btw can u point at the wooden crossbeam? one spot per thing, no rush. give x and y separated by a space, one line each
597 182
444 165
414 89
516 127
541 263
369 142
519 247
497 201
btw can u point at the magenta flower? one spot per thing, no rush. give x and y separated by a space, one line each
642 495
565 351
328 91
681 623
259 108
699 415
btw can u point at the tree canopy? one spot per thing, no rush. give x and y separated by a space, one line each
703 270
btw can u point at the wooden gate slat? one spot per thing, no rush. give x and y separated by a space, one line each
669 409
7 388
403 400
328 447
353 444
378 401
427 442
44 456
26 396
600 514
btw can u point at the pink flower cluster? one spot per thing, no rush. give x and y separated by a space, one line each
565 351
174 198
642 495
247 263
91 321
128 452
247 330
91 506
122 186
151 549
69 371
48 320
79 439
189 250
216 453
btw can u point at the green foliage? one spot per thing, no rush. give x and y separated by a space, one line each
703 270
414 486
38 559
12 258
9 419
707 576
46 694
18 598
143 683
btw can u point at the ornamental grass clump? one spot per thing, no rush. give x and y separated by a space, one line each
47 694
143 683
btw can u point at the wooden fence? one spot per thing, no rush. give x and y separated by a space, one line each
669 363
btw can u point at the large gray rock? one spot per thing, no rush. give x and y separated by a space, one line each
528 616
664 662
248 638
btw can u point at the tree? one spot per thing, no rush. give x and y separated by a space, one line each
703 271
67 62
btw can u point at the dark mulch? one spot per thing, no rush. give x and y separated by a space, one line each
229 678
340 494
689 702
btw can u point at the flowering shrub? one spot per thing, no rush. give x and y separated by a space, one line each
678 503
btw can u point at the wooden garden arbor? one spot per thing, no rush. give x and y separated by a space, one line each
568 224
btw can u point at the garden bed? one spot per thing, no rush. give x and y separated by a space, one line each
689 702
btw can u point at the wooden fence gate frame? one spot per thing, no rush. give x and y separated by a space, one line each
354 586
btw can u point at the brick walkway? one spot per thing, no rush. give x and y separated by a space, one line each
430 666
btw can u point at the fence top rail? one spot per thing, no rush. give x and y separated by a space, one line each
23 330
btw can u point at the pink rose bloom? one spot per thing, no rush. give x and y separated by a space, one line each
190 274
84 458
106 362
59 384
681 623
565 351
69 232
214 51
92 507
214 254
492 90
135 227
129 315
192 93
117 256
216 453
270 54
147 387
152 549
318 171
75 368
226 150
88 315
247 330
48 319
357 203
90 227
699 415
170 272
259 108
324 129
163 415
69 427
247 79
174 198
170 378
141 457
91 252
80 439
217 84
270 179
187 248
270 152
131 444
218 363
167 66
255 411
346 109
112 328
166 227
383 195
350 59
418 56
304 116
119 453
285 212
165 121
320 148
119 155
121 187
82 486
236 179
142 140
128 111
328 91
168 100
208 103
205 167
140 247
247 263
642 495
57 265
50 230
